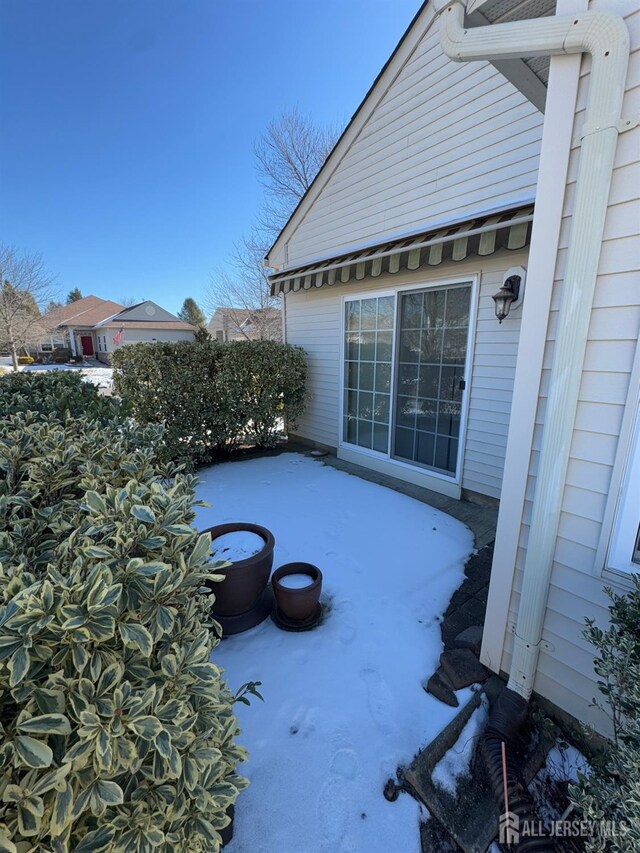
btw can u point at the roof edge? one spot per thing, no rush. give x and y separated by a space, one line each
349 125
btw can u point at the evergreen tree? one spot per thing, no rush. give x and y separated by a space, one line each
74 295
191 313
202 335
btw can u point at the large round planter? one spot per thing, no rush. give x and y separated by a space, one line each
245 580
297 604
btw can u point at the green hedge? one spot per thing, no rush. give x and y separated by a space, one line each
56 395
212 396
116 732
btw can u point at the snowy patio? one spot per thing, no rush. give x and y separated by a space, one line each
344 704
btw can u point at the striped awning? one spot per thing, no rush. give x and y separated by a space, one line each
484 235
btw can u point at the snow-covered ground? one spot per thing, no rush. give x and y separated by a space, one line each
343 703
455 764
100 376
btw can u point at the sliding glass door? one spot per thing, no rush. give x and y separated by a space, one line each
431 355
404 371
368 349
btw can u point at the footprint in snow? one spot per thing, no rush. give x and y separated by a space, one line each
345 763
379 699
347 625
332 814
334 798
303 723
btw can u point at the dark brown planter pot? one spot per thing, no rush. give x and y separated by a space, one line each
297 604
246 580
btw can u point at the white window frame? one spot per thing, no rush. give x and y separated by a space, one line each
626 524
614 554
358 297
52 343
387 458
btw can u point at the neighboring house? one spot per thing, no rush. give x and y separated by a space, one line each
453 182
97 327
242 324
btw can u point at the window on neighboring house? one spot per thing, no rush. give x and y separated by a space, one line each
46 347
624 551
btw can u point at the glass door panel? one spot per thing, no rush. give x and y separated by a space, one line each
368 350
432 351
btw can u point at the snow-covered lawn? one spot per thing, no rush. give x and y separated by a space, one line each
100 376
343 703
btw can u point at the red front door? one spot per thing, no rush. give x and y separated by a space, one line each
87 344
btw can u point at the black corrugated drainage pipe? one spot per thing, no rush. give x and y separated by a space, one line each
505 725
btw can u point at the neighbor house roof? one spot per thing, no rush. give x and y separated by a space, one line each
172 325
93 312
84 312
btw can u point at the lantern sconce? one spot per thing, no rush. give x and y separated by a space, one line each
511 292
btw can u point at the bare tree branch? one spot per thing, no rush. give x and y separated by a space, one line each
127 301
289 156
25 289
244 295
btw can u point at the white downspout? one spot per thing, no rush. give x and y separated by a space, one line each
604 35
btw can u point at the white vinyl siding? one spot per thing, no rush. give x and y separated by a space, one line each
443 140
314 320
565 672
138 336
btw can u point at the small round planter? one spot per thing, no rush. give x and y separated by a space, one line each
298 605
246 580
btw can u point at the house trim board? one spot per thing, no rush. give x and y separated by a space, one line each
620 482
515 70
386 464
564 75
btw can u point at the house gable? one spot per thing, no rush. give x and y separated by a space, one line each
146 311
434 142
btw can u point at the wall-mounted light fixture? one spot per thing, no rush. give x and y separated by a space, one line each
512 291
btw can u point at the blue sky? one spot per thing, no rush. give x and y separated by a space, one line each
126 154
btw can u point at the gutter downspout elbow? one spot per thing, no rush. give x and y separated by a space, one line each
605 36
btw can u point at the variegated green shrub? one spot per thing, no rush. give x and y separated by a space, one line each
117 732
56 395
